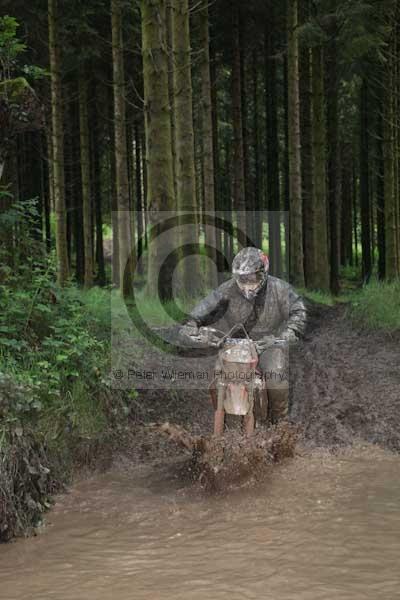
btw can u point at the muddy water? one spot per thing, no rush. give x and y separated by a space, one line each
319 527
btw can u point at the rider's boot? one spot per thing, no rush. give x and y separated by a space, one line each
278 404
219 422
249 424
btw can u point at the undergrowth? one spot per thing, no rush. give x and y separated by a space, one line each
377 305
57 406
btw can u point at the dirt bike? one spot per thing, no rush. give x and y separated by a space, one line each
238 387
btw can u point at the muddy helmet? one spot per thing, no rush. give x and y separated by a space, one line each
250 271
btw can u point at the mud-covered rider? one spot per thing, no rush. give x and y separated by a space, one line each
268 307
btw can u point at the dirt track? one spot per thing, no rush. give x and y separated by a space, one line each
345 388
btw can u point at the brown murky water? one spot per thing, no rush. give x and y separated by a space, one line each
320 527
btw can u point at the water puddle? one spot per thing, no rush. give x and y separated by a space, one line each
319 527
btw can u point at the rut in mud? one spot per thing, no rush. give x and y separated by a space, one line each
344 388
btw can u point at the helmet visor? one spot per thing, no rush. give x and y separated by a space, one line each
250 279
250 283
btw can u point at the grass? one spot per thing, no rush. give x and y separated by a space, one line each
377 305
163 314
318 296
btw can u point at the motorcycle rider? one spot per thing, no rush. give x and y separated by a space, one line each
268 307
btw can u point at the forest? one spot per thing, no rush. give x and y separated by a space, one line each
129 109
143 143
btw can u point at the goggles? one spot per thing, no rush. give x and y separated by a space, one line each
250 278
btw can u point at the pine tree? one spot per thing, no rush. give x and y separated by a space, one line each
364 182
121 164
296 220
319 276
238 150
57 143
389 159
160 186
208 143
272 145
184 147
86 183
306 153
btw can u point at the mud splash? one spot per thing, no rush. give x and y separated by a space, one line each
217 464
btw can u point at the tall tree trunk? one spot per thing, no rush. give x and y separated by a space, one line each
144 177
285 165
244 109
396 136
364 183
208 146
272 145
389 153
333 157
113 191
57 143
347 205
97 190
296 219
121 163
320 278
258 220
46 190
218 196
69 167
131 185
139 197
306 155
185 160
380 185
160 186
171 95
85 176
228 195
355 219
76 193
238 149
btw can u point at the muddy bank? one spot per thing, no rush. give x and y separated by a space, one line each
345 382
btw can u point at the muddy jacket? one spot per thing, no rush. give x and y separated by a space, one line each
277 310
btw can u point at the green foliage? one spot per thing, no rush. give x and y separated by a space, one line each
10 46
54 345
159 314
20 262
359 29
48 342
18 403
13 90
317 296
377 305
33 72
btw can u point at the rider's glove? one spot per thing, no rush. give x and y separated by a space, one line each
188 330
265 343
289 335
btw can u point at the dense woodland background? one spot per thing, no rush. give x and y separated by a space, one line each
115 105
